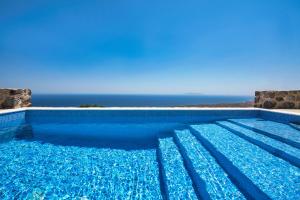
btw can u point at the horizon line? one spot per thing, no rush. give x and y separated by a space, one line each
145 94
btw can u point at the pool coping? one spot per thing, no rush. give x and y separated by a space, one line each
147 108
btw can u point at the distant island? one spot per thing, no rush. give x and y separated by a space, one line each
219 105
242 104
90 105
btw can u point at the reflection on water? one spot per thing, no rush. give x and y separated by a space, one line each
108 135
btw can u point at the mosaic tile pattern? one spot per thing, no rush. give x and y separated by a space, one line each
32 169
178 182
114 154
218 185
275 177
279 130
135 116
12 119
275 145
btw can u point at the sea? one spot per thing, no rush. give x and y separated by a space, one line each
121 100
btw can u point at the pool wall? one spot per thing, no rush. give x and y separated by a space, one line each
128 116
136 115
284 117
9 119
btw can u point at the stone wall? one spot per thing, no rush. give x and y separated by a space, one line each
15 98
277 99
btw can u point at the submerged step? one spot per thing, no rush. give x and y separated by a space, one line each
205 167
177 182
295 126
279 131
277 148
273 176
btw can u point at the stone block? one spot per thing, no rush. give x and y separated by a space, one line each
277 99
298 105
14 98
288 105
282 93
257 93
269 94
270 103
292 92
290 98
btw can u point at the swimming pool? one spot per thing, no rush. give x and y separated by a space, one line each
149 154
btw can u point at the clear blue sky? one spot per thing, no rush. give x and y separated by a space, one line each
153 46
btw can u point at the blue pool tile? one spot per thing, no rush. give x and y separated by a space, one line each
114 154
295 126
278 116
275 177
276 130
108 116
217 183
13 119
55 172
275 147
177 181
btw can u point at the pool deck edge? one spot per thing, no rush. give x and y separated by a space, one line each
290 112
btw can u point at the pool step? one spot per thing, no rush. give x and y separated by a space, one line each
275 147
207 173
253 169
279 131
176 180
295 126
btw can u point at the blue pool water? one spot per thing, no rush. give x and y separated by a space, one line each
44 170
152 158
276 130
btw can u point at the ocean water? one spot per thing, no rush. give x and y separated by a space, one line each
56 100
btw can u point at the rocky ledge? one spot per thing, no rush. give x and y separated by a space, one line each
14 98
277 99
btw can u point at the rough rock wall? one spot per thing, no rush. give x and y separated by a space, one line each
277 99
14 98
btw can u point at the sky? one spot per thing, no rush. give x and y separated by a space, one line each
230 47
